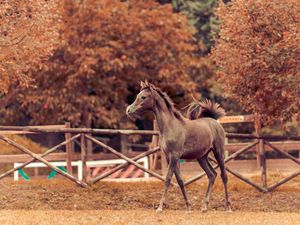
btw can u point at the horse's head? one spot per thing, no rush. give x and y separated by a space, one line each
143 102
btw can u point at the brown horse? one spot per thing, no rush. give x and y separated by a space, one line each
184 138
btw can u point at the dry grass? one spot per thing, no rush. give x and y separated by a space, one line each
7 149
62 202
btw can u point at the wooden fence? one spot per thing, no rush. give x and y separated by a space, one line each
261 142
85 135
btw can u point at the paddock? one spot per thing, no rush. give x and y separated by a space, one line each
266 194
59 201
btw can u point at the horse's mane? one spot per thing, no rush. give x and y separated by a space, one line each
168 101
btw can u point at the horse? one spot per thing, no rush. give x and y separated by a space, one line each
191 137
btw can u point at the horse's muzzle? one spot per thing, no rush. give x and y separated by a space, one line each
129 112
134 113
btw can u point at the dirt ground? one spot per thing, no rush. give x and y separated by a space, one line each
61 202
146 217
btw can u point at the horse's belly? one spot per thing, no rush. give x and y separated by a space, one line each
196 146
194 154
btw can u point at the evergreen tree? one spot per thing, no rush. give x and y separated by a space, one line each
201 16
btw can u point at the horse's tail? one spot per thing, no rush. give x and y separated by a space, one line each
206 108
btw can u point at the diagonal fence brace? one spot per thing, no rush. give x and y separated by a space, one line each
239 176
283 153
121 166
42 155
284 180
126 158
291 176
234 155
39 158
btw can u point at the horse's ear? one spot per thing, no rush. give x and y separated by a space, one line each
146 84
152 87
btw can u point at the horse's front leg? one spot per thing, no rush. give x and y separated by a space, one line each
172 164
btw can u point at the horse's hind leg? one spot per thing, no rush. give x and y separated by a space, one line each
181 185
211 174
218 153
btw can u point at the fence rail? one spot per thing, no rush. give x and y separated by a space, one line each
132 132
84 135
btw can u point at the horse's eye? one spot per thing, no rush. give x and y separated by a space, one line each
143 97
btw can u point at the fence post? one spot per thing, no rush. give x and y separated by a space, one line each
69 149
263 163
89 146
261 153
83 157
124 143
257 126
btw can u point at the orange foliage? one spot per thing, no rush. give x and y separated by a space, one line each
258 55
28 31
107 47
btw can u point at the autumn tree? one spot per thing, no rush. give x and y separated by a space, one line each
28 32
258 56
107 47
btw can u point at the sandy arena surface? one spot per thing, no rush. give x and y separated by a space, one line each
146 217
61 202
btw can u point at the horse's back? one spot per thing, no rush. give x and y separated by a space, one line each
209 126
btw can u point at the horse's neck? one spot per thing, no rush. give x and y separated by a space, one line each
165 118
166 121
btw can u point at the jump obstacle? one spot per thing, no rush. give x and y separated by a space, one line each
131 172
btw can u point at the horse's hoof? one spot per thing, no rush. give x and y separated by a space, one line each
188 211
159 210
204 209
229 210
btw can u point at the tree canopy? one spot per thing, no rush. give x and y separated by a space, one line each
28 31
258 55
87 59
106 48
